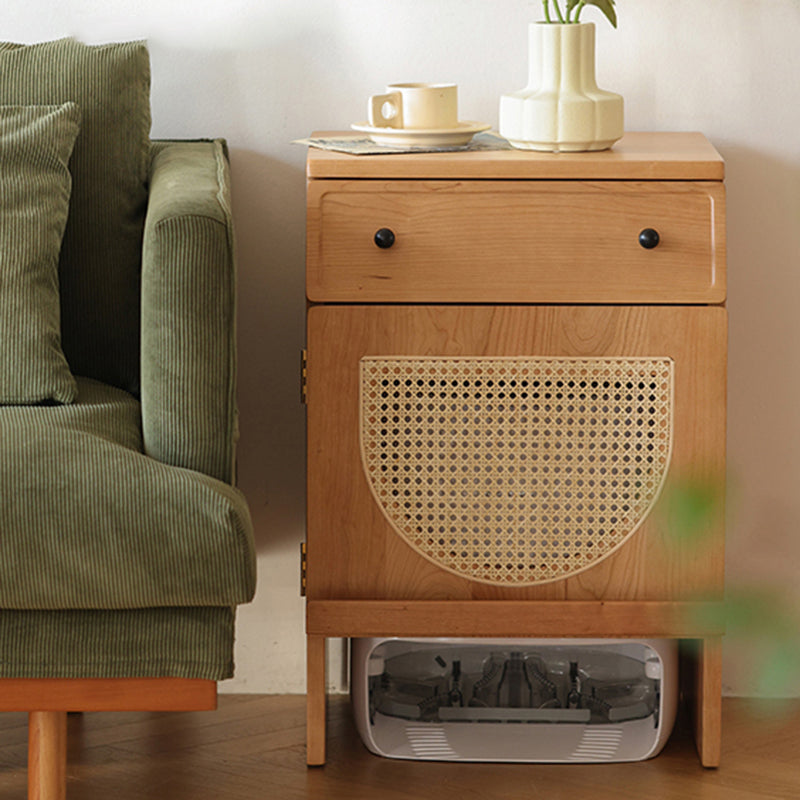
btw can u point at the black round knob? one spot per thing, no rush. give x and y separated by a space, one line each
649 238
384 238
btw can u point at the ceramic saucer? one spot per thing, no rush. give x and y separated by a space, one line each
443 137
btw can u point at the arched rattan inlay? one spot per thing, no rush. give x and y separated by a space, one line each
516 471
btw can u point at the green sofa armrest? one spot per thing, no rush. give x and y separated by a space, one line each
188 367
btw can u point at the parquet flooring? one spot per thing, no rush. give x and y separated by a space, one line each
253 748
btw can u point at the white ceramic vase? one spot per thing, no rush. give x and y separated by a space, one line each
561 109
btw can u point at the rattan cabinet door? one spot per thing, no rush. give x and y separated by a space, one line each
460 452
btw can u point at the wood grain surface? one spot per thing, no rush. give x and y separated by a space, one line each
107 694
676 156
515 242
354 552
253 747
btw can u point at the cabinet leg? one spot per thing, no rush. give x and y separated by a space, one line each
47 755
708 701
315 700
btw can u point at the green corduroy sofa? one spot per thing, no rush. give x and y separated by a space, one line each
124 546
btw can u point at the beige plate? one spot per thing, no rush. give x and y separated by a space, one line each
449 137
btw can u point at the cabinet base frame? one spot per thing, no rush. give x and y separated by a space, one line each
702 681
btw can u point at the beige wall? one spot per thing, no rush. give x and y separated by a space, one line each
263 72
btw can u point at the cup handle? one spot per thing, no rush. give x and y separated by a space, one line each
386 110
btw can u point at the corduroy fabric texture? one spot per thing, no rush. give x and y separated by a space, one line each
88 521
123 553
143 643
101 255
189 310
35 146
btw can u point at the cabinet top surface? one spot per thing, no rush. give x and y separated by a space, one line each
637 156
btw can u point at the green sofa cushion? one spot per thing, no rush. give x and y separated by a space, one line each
89 522
136 643
100 258
35 146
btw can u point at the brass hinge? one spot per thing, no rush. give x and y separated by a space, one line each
303 374
302 569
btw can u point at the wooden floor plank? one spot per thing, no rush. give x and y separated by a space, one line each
254 747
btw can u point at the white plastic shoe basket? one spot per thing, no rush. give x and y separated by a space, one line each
516 700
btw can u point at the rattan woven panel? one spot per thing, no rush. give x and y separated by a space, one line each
516 471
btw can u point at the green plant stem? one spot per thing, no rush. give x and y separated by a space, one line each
546 4
578 10
558 12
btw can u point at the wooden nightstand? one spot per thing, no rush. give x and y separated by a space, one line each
515 363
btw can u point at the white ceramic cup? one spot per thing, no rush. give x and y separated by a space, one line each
415 106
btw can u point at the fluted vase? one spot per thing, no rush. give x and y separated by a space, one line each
561 108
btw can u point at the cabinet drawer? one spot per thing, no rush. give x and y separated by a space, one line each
516 241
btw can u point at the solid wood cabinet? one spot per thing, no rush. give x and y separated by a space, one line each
507 404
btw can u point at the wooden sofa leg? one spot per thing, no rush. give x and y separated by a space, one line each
47 755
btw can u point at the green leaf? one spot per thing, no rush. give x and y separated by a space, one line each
606 6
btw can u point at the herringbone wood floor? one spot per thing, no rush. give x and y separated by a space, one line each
253 748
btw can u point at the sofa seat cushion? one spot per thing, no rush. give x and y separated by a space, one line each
89 522
128 643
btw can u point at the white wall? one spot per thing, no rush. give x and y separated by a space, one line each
264 72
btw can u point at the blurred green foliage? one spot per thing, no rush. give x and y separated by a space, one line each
689 509
762 625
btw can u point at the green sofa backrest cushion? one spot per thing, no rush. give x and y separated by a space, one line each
101 255
35 146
